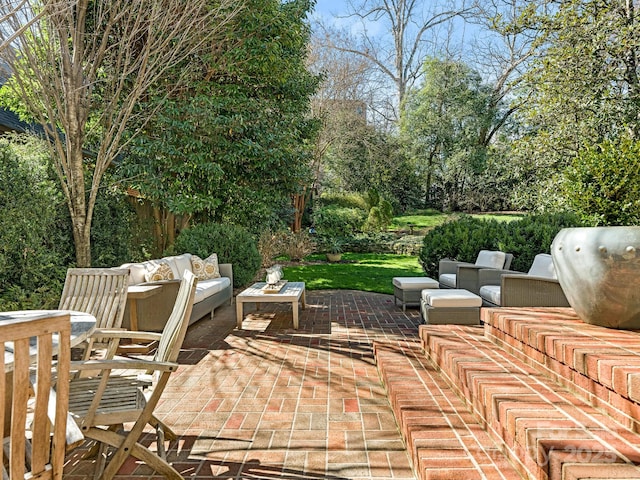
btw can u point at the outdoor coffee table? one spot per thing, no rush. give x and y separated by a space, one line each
291 292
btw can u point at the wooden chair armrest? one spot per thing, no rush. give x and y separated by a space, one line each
127 334
124 364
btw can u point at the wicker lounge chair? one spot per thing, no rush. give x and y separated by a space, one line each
538 287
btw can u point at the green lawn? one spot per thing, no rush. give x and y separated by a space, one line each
424 220
366 272
372 272
421 220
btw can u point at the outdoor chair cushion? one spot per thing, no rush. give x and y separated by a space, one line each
490 259
542 266
491 293
538 287
456 298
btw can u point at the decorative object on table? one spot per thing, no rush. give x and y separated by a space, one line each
599 271
274 275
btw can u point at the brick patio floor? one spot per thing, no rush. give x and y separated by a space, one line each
271 402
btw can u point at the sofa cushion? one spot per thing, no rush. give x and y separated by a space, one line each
207 268
542 266
179 263
206 288
162 271
491 293
137 272
490 259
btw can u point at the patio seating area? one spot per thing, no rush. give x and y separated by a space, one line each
272 402
363 391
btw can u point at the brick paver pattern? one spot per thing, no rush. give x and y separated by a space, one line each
271 402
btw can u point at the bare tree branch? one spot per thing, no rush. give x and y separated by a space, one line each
81 68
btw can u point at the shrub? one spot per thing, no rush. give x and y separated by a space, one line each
344 200
270 245
233 244
533 234
602 184
462 239
297 245
338 221
116 235
35 235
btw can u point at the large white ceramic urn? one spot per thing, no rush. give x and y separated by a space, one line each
599 270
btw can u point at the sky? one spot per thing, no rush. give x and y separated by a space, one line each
327 7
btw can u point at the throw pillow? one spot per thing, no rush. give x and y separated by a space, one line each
161 272
207 268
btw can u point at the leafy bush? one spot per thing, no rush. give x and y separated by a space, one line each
116 235
35 241
602 184
233 245
380 217
462 239
338 221
533 234
344 200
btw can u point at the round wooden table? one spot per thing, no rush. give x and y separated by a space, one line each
82 325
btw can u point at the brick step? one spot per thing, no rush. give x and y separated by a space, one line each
547 430
601 365
441 435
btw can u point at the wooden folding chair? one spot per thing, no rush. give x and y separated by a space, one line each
35 445
104 403
102 292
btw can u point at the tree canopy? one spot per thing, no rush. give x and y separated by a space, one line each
236 143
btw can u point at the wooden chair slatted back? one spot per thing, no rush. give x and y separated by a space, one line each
176 327
37 426
102 292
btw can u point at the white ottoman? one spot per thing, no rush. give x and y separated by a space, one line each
450 306
407 289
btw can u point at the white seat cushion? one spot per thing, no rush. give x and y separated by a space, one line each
542 266
137 272
450 298
489 259
448 279
206 288
414 283
491 293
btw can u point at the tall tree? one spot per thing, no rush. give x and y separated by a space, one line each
440 125
502 55
235 144
80 69
585 87
397 53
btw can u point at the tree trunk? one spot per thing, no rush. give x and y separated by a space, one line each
299 202
80 214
